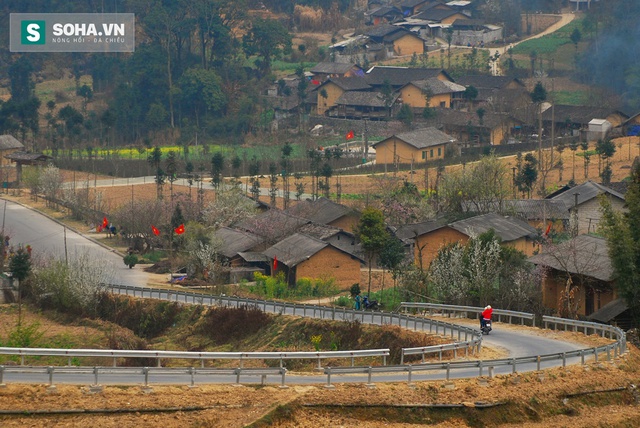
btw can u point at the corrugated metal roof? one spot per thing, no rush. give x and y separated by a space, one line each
584 255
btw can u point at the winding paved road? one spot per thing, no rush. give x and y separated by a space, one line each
27 226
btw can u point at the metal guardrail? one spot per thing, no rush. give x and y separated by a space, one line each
615 333
201 356
461 334
612 350
145 372
440 349
498 313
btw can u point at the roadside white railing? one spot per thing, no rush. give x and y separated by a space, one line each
501 315
201 356
472 340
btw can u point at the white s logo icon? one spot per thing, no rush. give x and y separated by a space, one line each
32 29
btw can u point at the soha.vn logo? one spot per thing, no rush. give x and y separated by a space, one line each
33 33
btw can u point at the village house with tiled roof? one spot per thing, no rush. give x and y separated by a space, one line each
325 211
365 105
428 237
568 119
441 93
582 200
383 15
413 147
467 127
331 90
8 145
302 256
400 76
583 260
326 70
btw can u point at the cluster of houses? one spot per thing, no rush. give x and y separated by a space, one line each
347 92
412 26
315 239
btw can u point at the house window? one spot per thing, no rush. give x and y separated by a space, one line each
443 104
424 155
439 151
431 153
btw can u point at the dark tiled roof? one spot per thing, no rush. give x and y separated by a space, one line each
350 83
364 99
468 23
276 222
587 191
487 82
609 311
385 10
577 114
235 241
333 68
507 228
8 142
585 255
435 15
399 34
28 157
490 120
295 249
422 138
382 30
411 3
399 76
408 232
438 87
620 187
322 210
319 231
253 257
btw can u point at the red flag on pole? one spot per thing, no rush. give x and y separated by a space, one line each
548 230
275 263
105 222
179 230
155 230
350 135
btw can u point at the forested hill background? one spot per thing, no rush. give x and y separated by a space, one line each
200 66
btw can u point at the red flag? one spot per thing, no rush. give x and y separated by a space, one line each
105 222
275 263
179 230
548 230
155 230
350 135
315 82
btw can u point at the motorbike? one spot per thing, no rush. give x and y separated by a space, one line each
369 304
486 328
